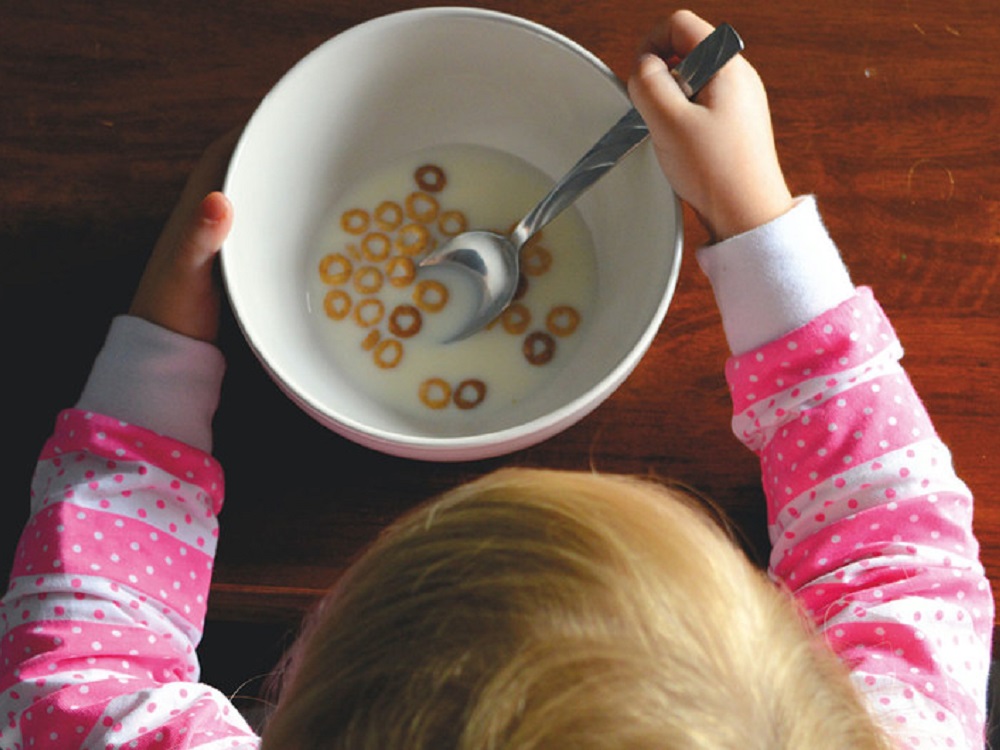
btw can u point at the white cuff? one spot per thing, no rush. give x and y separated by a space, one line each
775 278
157 379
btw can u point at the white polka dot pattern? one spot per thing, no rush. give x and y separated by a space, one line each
107 597
871 529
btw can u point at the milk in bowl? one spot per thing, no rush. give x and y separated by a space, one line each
385 322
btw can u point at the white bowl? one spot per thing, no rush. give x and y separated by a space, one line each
418 79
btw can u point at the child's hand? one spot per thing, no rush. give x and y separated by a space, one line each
718 153
178 289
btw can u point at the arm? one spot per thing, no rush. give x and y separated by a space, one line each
108 593
871 529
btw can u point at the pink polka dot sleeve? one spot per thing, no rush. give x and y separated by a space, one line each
870 526
107 596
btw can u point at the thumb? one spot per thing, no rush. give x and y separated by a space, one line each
205 231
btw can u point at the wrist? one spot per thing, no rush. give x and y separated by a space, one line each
748 212
157 379
775 278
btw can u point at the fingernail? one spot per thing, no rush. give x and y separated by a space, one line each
214 208
650 64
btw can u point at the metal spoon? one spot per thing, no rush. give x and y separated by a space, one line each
493 259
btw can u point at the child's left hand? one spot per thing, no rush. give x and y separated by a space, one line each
178 289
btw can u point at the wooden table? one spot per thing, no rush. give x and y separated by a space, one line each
889 112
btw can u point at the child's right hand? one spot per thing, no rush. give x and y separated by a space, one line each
178 289
718 152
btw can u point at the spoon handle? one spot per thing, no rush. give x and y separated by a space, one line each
706 59
623 136
693 72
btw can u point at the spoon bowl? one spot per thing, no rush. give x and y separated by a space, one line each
493 260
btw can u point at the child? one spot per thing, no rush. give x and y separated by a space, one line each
535 609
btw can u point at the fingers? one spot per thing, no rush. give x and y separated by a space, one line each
653 89
210 171
178 289
655 92
678 35
208 174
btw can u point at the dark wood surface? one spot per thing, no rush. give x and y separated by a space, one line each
889 112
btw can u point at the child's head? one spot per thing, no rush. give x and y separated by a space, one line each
539 609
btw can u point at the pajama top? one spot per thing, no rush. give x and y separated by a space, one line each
871 529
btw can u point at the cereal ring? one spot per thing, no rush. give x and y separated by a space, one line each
536 260
413 239
335 268
355 221
388 353
369 341
388 215
430 295
562 320
367 280
376 246
430 178
469 393
337 304
435 393
452 222
539 348
369 312
405 321
516 318
421 207
401 271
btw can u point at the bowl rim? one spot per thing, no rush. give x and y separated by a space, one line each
485 444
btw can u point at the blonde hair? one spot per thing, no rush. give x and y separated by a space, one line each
538 609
